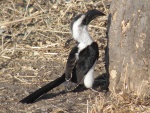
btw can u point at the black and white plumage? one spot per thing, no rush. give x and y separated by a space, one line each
80 66
81 60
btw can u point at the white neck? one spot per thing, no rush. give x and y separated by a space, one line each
81 35
80 32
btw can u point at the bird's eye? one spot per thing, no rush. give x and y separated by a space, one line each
84 21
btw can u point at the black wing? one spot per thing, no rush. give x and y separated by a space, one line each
70 63
77 69
87 58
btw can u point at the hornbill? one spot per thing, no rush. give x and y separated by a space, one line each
81 60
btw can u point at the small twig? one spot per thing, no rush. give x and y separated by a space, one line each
40 7
19 79
19 20
27 76
87 109
49 30
34 15
13 10
13 4
104 28
25 37
66 11
2 44
50 53
104 6
26 8
6 57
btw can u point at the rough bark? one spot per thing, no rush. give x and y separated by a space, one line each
129 46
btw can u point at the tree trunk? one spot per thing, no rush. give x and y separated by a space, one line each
129 46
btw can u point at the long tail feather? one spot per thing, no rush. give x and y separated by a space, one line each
35 95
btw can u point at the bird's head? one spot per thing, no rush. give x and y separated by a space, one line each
80 23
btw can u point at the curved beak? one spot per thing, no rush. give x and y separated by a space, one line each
90 15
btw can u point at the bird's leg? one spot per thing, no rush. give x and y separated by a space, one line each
70 86
94 90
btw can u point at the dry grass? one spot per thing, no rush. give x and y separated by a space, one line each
31 29
39 25
119 103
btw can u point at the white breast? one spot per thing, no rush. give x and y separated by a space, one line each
89 78
81 46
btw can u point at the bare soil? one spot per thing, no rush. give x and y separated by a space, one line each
21 77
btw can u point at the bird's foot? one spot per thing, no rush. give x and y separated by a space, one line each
94 90
71 86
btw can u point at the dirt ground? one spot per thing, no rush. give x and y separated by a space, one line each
33 52
21 77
